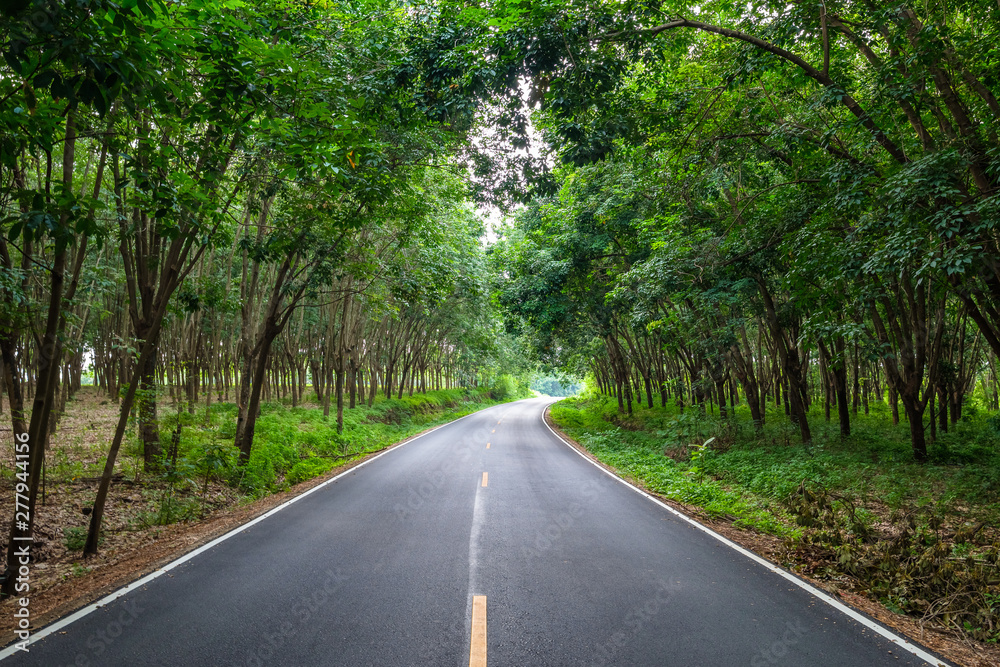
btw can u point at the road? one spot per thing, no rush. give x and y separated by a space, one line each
488 540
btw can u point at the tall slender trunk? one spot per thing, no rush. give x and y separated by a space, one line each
352 385
837 368
149 430
49 355
275 319
268 334
788 353
243 397
915 415
340 400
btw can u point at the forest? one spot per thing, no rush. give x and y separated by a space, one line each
222 203
731 223
778 223
741 221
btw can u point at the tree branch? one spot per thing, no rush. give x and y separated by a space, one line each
822 78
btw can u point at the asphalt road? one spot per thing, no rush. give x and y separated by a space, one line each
381 567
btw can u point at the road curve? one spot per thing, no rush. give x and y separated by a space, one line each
381 566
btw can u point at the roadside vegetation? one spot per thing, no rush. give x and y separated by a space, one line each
201 478
294 444
857 512
212 206
782 219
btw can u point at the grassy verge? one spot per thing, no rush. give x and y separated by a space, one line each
199 471
638 452
922 539
292 445
154 516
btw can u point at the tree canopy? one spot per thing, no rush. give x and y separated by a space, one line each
772 203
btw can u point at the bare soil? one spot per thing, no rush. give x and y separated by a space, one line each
63 580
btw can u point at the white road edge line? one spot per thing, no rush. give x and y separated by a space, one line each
63 622
840 606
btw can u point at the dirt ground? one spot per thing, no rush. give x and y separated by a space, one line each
62 580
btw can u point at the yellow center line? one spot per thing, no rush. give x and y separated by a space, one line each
477 653
487 445
485 478
493 431
498 423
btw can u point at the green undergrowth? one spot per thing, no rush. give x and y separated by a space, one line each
768 465
922 539
639 454
294 444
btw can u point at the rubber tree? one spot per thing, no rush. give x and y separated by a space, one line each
58 87
176 141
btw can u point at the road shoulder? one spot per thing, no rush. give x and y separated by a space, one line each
767 547
112 571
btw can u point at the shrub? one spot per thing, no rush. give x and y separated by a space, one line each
215 460
267 461
170 509
503 388
74 538
307 469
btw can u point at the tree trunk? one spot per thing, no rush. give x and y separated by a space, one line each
340 400
943 408
788 354
352 385
49 356
915 415
245 443
837 368
243 398
149 429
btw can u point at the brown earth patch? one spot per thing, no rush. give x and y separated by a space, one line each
63 580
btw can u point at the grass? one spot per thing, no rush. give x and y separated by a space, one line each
638 453
764 468
922 539
292 445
